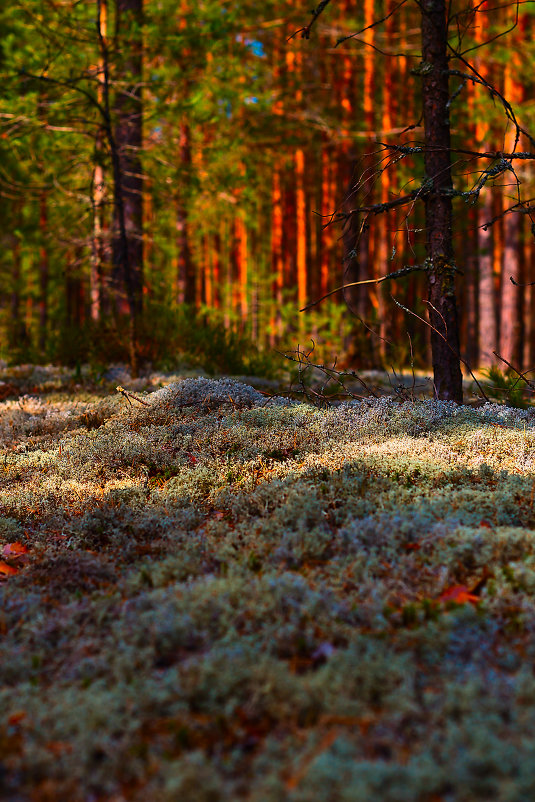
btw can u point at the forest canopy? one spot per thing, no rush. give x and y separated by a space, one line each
163 164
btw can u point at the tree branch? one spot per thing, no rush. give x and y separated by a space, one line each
397 274
305 32
427 323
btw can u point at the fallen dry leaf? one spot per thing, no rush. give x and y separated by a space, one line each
58 748
7 570
16 718
459 594
14 549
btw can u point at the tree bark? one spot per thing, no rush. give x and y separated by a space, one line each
277 262
511 323
301 230
511 298
18 337
98 245
43 273
438 206
42 112
488 328
128 138
185 266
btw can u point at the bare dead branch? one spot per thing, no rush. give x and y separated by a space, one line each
430 325
305 32
396 274
374 24
515 370
376 208
302 358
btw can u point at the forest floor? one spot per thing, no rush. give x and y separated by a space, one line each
213 594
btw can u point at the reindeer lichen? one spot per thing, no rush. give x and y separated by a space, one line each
228 595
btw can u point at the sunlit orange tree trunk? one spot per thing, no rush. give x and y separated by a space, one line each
488 319
511 296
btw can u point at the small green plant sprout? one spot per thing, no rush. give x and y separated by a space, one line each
128 396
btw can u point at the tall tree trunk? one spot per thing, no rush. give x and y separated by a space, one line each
185 267
42 111
529 296
438 208
328 207
242 247
208 297
128 139
301 233
17 332
382 227
277 263
511 296
347 158
368 294
469 312
99 247
488 329
43 272
351 239
487 298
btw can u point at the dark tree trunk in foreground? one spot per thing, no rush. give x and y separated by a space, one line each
438 206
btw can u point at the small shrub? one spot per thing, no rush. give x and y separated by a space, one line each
506 387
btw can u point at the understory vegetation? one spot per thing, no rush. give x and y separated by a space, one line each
213 593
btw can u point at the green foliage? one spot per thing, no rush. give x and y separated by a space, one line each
169 338
506 387
202 340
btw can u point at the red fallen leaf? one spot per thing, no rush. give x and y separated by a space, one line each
58 748
7 570
486 524
16 718
412 546
14 549
191 459
459 594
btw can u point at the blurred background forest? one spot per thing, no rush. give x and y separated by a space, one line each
230 146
